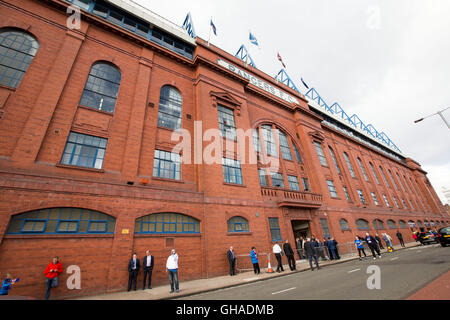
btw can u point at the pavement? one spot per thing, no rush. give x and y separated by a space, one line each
192 287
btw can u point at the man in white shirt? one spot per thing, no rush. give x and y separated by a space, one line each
277 251
172 269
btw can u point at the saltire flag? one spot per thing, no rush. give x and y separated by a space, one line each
281 60
213 27
253 40
304 83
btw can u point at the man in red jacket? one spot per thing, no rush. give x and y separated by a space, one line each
53 270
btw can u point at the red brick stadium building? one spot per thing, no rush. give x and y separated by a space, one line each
88 170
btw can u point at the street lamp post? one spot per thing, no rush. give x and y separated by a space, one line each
440 114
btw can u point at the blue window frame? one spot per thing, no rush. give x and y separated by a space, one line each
332 189
284 146
102 87
238 224
277 180
84 151
61 221
262 177
269 140
170 106
293 183
362 224
167 165
17 50
232 172
160 223
275 231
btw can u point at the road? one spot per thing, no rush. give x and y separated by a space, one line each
402 273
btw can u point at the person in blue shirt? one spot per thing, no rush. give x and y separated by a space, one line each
359 245
7 284
255 262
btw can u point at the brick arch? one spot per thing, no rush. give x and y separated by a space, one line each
173 85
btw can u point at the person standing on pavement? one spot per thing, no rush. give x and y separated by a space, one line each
133 270
400 238
299 247
148 263
255 261
311 254
277 251
360 247
289 254
53 270
387 239
380 244
373 246
232 261
336 248
172 270
332 248
326 245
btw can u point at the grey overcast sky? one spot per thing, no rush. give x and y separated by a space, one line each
387 61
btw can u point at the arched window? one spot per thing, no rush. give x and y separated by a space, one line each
391 224
102 87
378 224
166 223
17 50
402 224
419 223
344 225
411 224
61 221
349 165
238 224
170 105
362 224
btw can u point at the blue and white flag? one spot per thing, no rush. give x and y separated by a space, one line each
213 27
253 40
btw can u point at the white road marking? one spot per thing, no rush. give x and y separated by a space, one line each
353 270
284 290
394 258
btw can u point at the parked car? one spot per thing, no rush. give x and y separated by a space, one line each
444 236
427 238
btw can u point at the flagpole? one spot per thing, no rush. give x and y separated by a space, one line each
209 38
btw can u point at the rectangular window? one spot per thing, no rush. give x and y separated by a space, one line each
333 156
269 141
305 184
256 142
100 11
167 165
404 203
284 146
277 180
363 170
320 154
275 231
374 173
326 230
384 177
349 165
297 154
226 122
232 172
30 225
84 151
67 226
386 200
361 196
374 197
393 180
293 183
332 189
83 4
346 194
262 177
395 201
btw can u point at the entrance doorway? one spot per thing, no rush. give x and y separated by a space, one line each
301 229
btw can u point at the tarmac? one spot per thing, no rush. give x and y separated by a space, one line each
191 287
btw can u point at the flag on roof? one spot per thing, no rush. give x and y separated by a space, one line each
304 83
213 27
281 60
253 39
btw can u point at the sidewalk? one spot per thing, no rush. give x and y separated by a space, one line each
191 287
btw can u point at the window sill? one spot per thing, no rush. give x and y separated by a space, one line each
235 185
68 166
239 233
7 87
96 110
167 180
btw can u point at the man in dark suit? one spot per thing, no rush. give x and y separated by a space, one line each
133 270
373 245
311 254
232 261
147 265
289 254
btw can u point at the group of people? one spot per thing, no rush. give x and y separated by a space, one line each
375 244
147 265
